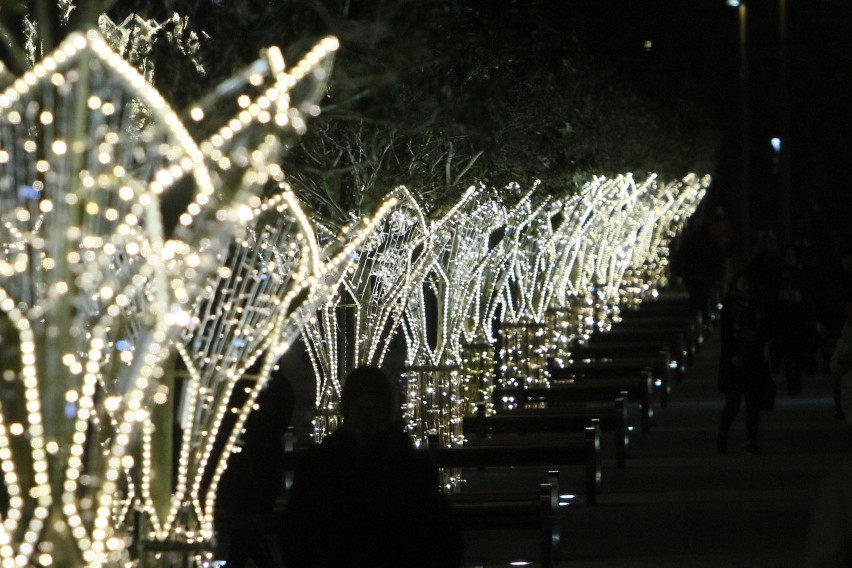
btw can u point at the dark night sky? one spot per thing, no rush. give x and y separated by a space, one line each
694 54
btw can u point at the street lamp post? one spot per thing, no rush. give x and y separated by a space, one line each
784 153
744 198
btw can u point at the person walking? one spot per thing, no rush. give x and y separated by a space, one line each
840 367
364 496
743 364
253 480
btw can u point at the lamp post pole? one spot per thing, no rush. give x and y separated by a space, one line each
786 192
745 172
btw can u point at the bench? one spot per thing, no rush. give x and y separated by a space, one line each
637 388
689 322
629 349
540 511
675 337
563 419
479 454
658 368
673 309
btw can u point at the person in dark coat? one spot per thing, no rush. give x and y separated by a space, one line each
364 496
254 477
743 363
794 335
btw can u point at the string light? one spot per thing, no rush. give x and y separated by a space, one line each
93 292
393 257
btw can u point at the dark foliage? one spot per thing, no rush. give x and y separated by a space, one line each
439 94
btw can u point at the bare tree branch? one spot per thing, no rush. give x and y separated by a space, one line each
15 57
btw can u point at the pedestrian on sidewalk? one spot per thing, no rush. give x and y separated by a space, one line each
840 367
743 362
364 497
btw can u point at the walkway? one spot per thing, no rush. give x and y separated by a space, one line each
680 504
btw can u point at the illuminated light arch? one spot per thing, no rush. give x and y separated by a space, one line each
438 392
81 257
92 289
373 293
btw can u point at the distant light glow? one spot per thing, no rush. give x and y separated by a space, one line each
733 3
776 144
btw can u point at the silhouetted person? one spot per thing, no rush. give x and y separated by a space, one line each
840 367
700 262
835 320
794 334
364 496
253 480
742 361
766 267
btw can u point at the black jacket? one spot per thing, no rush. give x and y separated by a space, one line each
742 362
353 505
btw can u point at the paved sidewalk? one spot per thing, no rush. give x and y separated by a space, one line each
678 503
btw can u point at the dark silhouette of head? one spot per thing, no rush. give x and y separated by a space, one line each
368 402
743 283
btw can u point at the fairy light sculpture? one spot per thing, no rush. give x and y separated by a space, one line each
495 292
682 200
558 300
524 338
486 305
439 391
244 318
369 304
95 283
625 247
97 279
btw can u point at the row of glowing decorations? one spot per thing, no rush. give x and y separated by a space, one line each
96 293
97 290
545 272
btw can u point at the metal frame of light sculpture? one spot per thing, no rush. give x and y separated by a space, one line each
654 271
604 243
438 390
636 212
611 250
85 287
586 283
581 282
651 207
391 260
476 347
242 318
244 154
294 296
496 275
561 315
497 271
525 340
89 233
641 213
319 328
530 267
487 276
453 241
